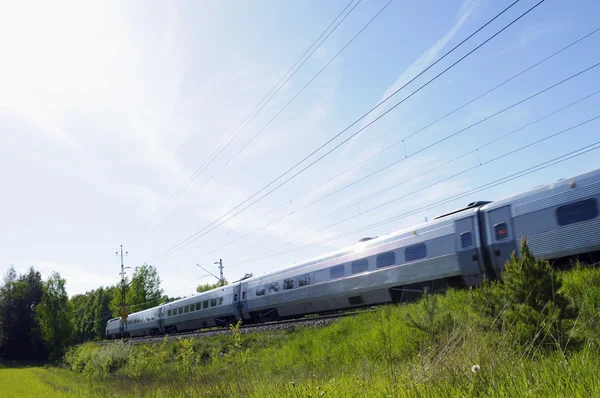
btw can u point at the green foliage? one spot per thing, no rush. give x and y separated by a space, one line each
97 362
582 288
208 286
427 319
421 349
489 301
536 334
54 315
531 282
91 312
142 292
19 331
538 311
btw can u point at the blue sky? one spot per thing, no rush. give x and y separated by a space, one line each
107 108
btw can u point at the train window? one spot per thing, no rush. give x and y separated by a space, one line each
186 309
501 232
260 291
235 297
415 252
180 310
243 295
336 272
321 275
288 284
213 302
273 287
198 306
577 212
169 313
205 303
359 266
466 239
304 280
386 259
220 300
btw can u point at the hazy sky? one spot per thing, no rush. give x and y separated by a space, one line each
107 108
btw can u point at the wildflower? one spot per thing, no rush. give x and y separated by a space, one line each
475 368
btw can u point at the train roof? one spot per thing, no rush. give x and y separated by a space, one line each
367 243
445 217
566 183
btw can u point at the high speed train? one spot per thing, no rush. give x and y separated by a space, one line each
460 248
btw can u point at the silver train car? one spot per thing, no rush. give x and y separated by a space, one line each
460 248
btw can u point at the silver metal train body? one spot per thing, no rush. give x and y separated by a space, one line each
455 249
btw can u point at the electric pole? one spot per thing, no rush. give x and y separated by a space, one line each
123 291
221 280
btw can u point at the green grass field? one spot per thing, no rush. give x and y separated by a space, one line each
458 344
35 381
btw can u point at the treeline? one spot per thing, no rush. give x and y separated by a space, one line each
39 321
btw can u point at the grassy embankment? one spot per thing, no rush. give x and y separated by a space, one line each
462 343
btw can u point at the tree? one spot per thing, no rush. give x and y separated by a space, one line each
538 311
144 291
531 281
54 315
7 311
91 312
19 334
207 286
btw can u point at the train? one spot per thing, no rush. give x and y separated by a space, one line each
460 248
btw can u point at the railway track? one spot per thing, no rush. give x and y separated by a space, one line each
311 322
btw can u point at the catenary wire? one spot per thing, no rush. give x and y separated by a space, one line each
540 166
199 234
473 151
269 122
289 202
276 88
435 143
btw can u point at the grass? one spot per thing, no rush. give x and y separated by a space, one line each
38 381
425 349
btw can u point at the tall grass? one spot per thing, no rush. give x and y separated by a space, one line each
461 343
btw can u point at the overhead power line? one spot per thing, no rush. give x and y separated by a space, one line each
470 152
312 190
503 180
263 102
200 233
275 116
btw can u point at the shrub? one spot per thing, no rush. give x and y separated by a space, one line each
539 312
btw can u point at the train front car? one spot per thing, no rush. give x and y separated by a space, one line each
560 221
114 329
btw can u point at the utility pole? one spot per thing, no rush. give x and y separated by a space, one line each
220 262
123 291
221 279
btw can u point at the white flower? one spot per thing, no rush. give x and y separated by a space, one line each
475 368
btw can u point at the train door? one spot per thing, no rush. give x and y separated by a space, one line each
240 301
161 319
501 237
469 255
244 300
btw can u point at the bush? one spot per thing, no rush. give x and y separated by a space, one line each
539 312
96 361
